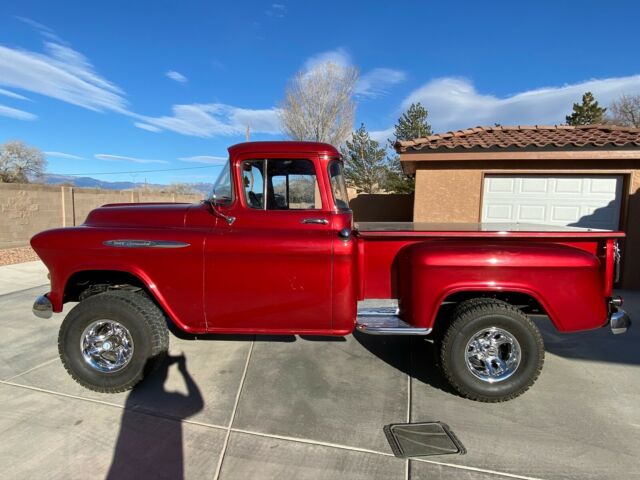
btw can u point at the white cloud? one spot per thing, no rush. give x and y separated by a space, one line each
277 10
146 126
371 84
45 31
61 73
177 76
381 136
121 158
376 82
15 113
10 94
339 56
207 159
208 120
454 103
66 156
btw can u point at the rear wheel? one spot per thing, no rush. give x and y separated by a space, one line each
109 341
491 351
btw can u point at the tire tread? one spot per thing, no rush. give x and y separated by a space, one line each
155 321
469 310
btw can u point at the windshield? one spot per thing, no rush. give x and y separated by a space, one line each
222 191
338 187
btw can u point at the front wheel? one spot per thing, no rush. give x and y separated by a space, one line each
491 351
109 341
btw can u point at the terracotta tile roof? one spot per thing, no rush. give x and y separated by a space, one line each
529 137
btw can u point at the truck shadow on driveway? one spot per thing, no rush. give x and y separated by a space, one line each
151 446
413 356
596 345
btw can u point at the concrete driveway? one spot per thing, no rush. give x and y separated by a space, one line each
291 407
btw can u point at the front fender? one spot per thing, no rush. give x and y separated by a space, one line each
566 281
172 275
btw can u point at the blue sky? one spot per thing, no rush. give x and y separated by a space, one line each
124 86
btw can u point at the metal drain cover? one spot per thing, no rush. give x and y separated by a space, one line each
422 439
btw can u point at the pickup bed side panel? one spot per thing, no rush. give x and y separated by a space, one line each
566 281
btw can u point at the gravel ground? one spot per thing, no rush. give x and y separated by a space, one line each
9 256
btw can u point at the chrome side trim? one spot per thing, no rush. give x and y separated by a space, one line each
316 221
42 307
127 243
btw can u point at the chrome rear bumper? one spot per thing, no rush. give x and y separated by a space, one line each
42 307
619 321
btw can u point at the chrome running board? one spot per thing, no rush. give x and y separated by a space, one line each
385 321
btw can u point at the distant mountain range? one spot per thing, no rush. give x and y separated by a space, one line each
89 182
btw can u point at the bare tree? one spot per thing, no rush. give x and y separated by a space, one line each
318 104
20 163
626 111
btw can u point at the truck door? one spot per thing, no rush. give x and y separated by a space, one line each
270 270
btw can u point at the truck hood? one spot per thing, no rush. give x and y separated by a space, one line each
139 215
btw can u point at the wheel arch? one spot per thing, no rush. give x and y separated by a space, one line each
102 279
529 302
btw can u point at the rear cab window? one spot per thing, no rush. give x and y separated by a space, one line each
338 185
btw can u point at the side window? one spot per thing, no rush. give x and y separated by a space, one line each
289 184
253 182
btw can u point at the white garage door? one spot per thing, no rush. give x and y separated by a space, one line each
583 201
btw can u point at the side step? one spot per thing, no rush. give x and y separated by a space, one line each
385 321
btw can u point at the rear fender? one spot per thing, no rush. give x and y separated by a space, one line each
565 281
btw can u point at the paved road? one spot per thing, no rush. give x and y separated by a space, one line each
291 407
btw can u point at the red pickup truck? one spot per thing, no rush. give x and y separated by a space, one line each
275 251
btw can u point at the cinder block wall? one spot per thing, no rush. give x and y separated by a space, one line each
26 209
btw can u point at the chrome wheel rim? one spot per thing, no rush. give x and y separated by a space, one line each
493 355
106 346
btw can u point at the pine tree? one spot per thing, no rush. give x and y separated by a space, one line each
364 167
587 113
412 124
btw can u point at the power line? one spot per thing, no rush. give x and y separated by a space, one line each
133 171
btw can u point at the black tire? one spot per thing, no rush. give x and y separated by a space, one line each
146 325
476 315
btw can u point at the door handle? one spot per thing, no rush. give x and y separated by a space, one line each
315 221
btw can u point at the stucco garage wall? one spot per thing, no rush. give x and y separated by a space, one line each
451 191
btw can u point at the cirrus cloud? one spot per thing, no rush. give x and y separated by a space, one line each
176 76
16 114
455 103
122 158
213 119
66 156
206 159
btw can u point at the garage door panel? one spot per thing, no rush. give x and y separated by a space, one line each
534 185
532 213
568 214
587 201
499 213
569 185
502 185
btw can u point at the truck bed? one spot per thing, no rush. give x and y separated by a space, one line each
425 229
